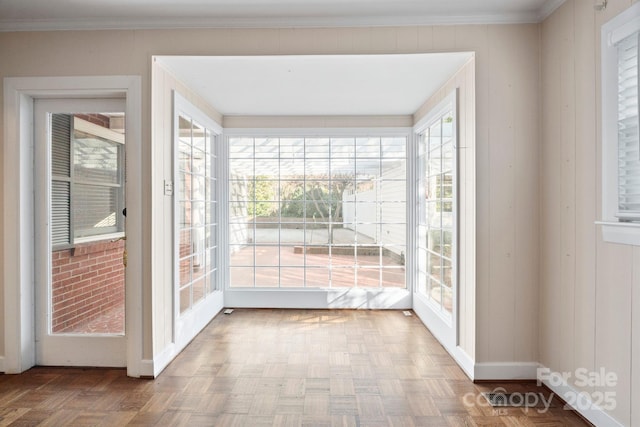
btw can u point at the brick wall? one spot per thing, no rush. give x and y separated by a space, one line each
87 282
96 119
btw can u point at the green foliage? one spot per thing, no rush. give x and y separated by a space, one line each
313 199
261 193
317 200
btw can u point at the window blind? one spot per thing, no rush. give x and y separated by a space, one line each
628 129
60 179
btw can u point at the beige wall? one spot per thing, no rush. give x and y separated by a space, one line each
589 309
506 142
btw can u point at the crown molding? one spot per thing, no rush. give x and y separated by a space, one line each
266 22
279 22
548 8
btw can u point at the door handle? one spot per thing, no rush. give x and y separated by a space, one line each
124 252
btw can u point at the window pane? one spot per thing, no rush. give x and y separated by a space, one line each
266 148
242 277
342 147
317 148
343 277
394 148
317 277
241 148
628 126
291 148
241 255
267 277
393 277
368 277
95 209
368 147
292 277
199 141
267 255
292 255
95 159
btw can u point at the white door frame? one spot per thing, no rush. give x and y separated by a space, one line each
19 213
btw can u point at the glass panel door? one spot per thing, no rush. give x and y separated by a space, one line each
80 194
439 221
435 298
197 209
196 291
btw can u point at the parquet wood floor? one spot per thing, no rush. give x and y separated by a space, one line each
278 368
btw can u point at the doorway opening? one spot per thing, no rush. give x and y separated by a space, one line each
73 223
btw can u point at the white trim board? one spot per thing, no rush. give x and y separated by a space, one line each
146 368
505 371
593 414
352 20
154 367
392 299
19 250
464 361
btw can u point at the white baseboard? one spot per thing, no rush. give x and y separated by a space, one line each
162 360
504 371
441 332
189 327
464 361
146 368
590 411
396 299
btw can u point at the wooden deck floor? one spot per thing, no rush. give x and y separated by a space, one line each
279 368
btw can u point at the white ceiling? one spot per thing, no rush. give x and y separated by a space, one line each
104 14
316 84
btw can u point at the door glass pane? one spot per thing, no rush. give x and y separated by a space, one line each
197 213
437 222
87 199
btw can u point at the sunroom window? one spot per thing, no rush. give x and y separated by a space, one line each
620 126
317 212
87 178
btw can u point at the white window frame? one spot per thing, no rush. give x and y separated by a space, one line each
443 326
620 27
321 298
